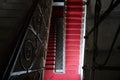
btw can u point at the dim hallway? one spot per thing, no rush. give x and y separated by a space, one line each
73 16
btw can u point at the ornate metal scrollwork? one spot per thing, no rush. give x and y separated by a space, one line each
27 55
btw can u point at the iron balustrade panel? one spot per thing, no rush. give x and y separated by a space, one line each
45 10
30 53
28 62
12 14
30 57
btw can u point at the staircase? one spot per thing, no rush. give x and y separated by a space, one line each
73 18
50 58
72 38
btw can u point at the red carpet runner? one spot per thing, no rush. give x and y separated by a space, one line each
72 43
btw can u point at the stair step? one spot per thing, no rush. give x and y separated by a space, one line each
72 65
77 31
74 27
73 56
73 14
73 24
73 42
72 53
73 18
72 62
73 21
48 59
50 45
49 64
73 31
51 54
73 3
78 40
72 36
74 7
70 17
69 60
72 47
76 45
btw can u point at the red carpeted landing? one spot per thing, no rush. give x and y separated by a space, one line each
72 43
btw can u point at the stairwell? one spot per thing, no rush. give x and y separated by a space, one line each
72 35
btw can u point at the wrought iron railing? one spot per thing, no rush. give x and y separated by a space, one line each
27 60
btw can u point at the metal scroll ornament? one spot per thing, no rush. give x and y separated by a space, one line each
27 55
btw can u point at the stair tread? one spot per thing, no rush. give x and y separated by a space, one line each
74 6
73 3
73 24
72 51
49 64
73 15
